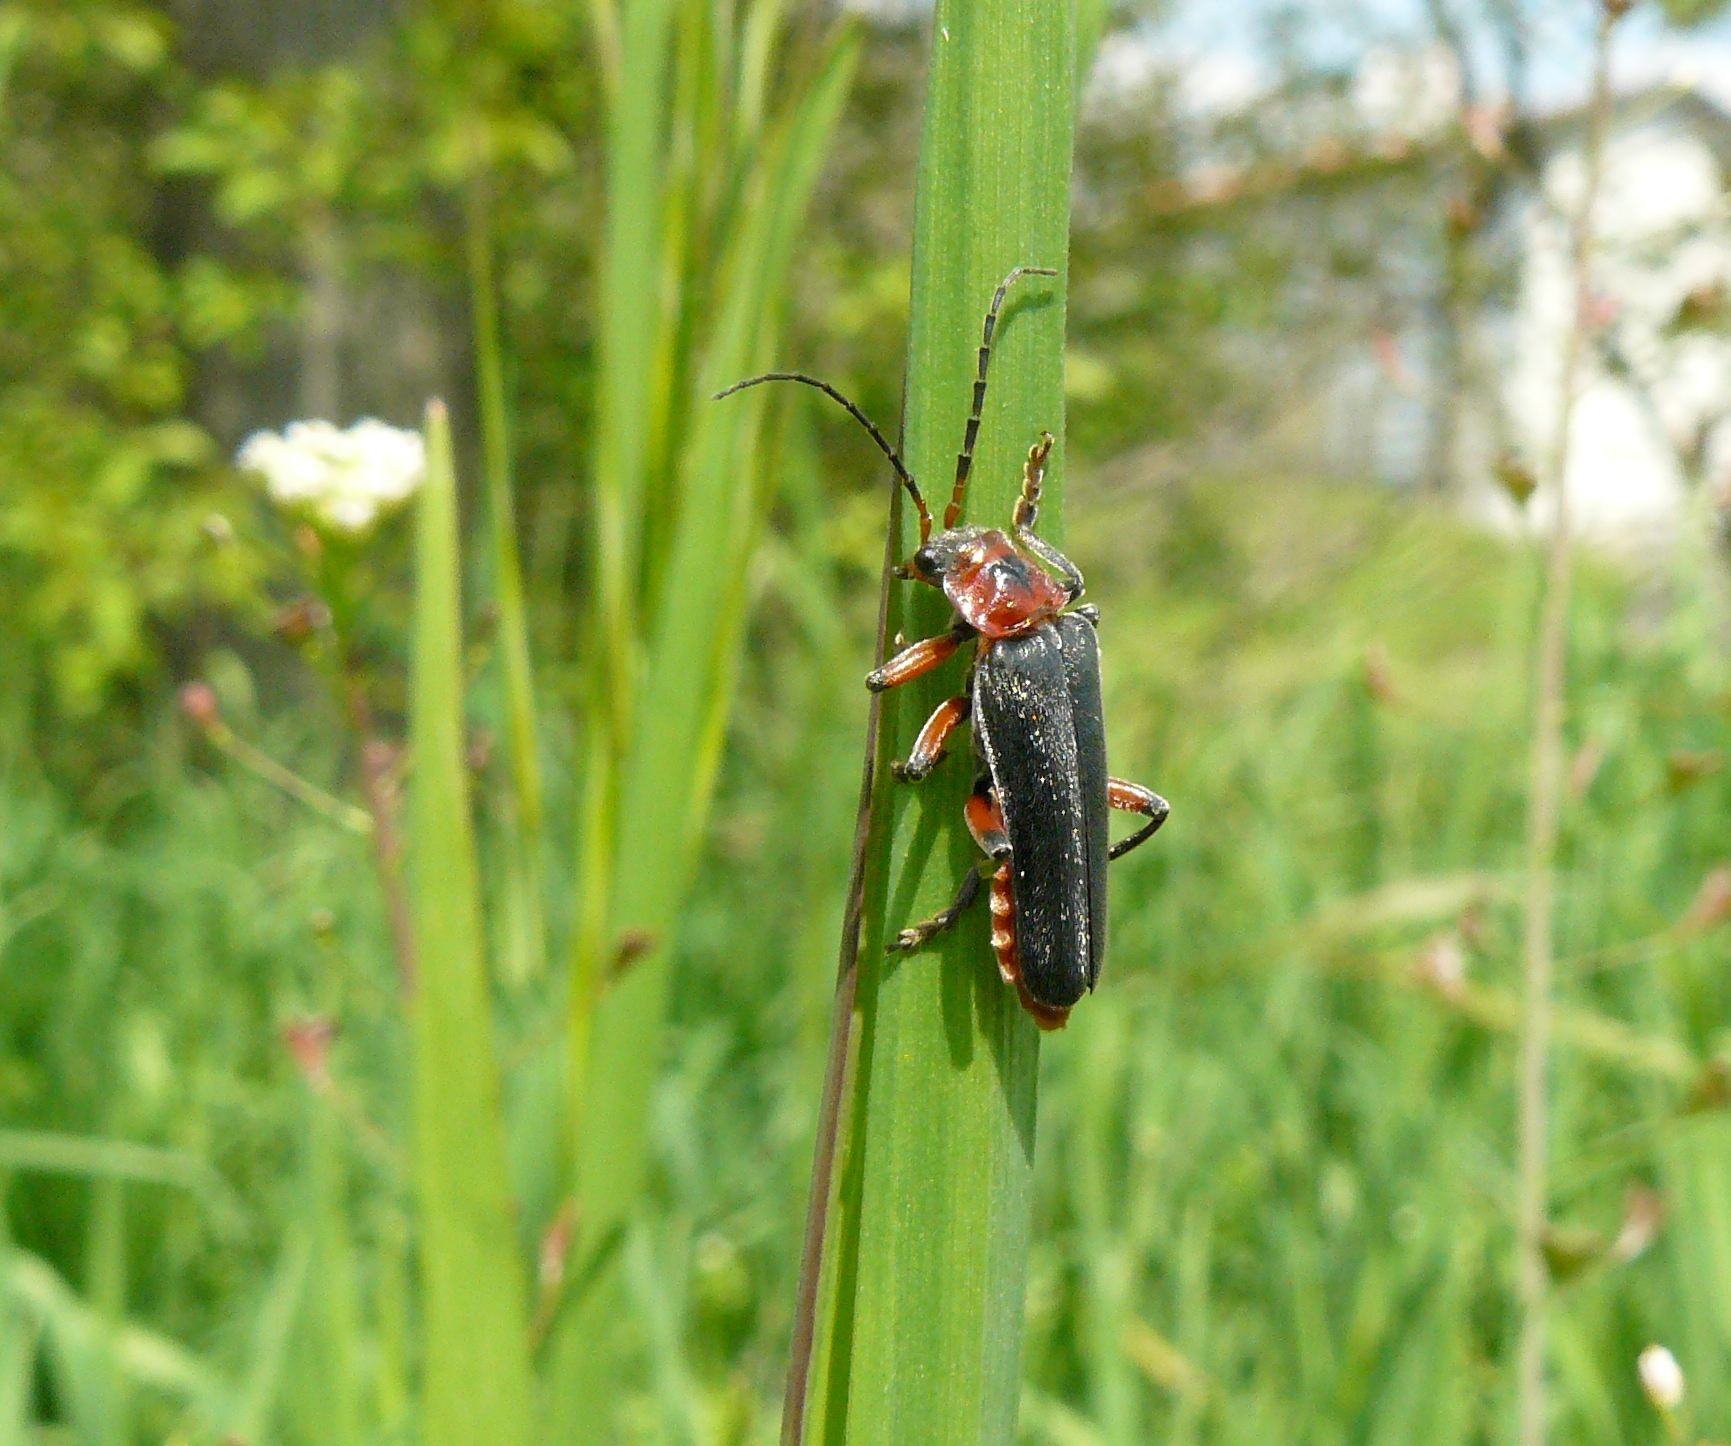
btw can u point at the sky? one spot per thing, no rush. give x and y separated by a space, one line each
1225 54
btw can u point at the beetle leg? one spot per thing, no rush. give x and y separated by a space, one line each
986 822
918 659
1027 517
1134 798
915 935
928 749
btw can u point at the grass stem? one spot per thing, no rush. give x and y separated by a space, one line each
1545 799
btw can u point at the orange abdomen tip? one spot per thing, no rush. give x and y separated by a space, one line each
1047 1016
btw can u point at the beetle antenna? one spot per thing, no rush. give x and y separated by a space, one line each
965 458
864 421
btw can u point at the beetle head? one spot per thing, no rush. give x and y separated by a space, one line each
945 554
995 590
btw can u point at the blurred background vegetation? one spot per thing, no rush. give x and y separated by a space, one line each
1313 261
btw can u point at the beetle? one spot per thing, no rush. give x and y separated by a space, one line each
1041 801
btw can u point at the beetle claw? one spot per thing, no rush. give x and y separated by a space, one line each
907 771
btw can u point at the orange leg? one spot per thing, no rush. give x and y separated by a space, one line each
1133 798
916 660
928 750
986 823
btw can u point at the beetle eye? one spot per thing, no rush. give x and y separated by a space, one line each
926 561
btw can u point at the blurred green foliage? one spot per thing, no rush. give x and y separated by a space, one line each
1274 1183
105 479
163 236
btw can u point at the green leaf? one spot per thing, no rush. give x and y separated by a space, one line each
920 1309
475 1364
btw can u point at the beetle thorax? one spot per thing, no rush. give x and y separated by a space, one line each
997 591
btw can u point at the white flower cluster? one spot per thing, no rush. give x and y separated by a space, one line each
345 479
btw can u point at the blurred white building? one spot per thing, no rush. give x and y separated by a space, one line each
1652 423
1653 420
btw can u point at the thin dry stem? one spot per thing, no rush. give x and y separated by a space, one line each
378 784
302 790
1545 798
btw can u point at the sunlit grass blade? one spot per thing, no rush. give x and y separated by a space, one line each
327 1407
629 286
78 1342
475 1364
98 1158
252 1414
668 773
920 1316
522 728
629 324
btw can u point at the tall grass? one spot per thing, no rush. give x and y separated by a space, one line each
918 1290
528 926
475 1362
1544 803
707 183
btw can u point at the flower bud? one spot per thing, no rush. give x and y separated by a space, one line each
297 621
308 1042
198 703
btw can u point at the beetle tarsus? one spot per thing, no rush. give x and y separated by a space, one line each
917 935
1134 798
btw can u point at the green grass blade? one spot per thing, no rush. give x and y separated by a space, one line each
686 695
328 1406
520 713
78 1339
523 932
629 285
253 1414
475 1365
100 1158
921 1311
